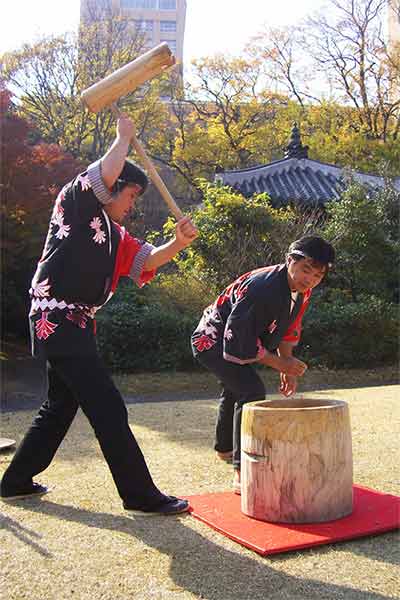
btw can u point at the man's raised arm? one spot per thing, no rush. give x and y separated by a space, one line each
113 161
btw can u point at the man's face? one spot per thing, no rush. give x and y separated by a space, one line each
304 274
123 203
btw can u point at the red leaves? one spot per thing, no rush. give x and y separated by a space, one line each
32 174
5 99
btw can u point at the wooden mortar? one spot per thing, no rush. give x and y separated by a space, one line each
296 461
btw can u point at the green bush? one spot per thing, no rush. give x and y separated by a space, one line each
339 333
185 292
148 329
136 332
364 228
237 235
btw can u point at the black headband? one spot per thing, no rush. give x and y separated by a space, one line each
304 255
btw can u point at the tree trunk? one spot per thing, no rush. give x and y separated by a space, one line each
296 464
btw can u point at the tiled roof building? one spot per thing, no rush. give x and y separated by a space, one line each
296 177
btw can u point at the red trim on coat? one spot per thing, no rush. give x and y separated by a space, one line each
294 330
126 252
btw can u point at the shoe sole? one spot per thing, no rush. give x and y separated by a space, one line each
141 513
25 496
227 459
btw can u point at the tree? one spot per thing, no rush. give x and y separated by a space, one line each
237 112
222 119
50 76
364 228
279 52
31 177
237 235
345 77
333 135
229 116
347 44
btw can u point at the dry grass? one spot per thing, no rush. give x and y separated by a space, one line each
202 382
78 543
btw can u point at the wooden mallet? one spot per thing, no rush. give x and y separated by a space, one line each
126 79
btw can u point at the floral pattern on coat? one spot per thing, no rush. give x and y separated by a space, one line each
77 317
44 328
100 236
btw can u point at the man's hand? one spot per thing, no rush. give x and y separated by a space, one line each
284 364
292 366
125 128
288 385
185 232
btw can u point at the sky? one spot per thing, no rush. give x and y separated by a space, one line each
233 22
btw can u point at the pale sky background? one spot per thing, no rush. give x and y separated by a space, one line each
233 23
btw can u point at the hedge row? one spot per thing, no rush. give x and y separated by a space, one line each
360 334
137 332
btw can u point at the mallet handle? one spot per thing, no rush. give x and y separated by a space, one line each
156 179
154 176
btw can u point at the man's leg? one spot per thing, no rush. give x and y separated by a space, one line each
244 384
105 409
42 440
224 426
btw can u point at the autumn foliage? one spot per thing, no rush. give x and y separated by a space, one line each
32 173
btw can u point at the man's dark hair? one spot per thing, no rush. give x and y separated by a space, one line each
131 173
314 247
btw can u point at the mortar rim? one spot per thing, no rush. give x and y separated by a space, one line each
278 405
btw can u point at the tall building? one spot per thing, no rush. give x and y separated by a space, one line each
393 29
159 20
394 22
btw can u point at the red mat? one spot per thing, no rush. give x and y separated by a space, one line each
373 513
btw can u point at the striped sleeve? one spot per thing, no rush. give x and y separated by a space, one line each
139 276
99 188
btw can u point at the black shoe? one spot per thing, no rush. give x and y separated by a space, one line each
169 506
225 456
27 491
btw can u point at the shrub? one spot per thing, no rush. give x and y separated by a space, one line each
339 333
136 332
237 235
149 329
364 228
185 292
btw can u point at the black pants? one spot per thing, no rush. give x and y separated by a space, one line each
240 384
84 382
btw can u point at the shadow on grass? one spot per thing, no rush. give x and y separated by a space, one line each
25 535
190 424
208 570
382 548
24 383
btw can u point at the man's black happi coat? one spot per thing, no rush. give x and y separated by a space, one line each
84 256
253 314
